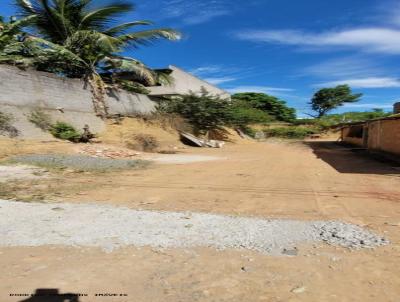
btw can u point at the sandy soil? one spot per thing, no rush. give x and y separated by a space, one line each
312 181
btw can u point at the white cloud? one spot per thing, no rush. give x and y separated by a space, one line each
194 12
348 67
372 82
369 105
259 89
372 39
388 11
205 16
205 70
221 80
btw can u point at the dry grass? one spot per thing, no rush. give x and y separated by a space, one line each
143 142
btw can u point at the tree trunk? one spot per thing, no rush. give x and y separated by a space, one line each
98 95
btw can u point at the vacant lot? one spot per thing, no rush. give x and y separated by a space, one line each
312 181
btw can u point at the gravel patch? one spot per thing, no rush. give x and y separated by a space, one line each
181 158
79 162
36 224
21 172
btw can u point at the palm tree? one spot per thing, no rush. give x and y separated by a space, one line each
87 35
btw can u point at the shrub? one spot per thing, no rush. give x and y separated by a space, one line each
144 142
65 131
6 126
40 119
267 103
291 132
204 112
330 120
241 114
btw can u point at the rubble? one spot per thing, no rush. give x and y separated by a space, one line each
107 151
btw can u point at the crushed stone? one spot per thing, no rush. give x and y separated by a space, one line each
108 227
80 162
8 173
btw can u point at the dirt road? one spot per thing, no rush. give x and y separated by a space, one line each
311 181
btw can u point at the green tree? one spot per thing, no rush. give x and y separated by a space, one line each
273 106
241 114
80 39
203 111
327 99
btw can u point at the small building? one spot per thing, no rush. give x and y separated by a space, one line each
184 83
381 134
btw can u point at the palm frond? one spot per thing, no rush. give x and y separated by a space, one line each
59 48
147 36
103 16
125 26
135 67
26 7
164 78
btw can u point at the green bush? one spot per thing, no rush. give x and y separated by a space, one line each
203 111
292 132
330 120
65 131
271 105
241 114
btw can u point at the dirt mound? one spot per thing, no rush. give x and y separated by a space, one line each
124 133
10 147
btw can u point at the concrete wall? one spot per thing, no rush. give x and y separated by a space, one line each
349 138
384 135
184 82
381 135
23 91
396 108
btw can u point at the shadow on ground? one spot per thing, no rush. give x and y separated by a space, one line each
346 159
51 295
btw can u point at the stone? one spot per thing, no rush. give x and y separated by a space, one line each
290 252
298 290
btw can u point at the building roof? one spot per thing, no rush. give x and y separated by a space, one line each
184 82
390 117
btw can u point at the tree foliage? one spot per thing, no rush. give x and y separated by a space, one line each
327 99
88 30
203 111
271 105
79 38
241 113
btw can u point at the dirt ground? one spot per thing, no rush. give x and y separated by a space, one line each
315 180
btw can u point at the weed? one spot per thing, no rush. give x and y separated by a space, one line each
144 142
291 132
40 119
6 126
65 131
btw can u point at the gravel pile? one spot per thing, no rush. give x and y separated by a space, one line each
23 224
79 162
348 235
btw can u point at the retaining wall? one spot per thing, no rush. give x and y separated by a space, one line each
64 99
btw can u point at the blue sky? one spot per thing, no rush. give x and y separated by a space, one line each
285 48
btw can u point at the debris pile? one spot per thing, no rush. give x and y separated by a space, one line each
192 140
348 235
107 152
